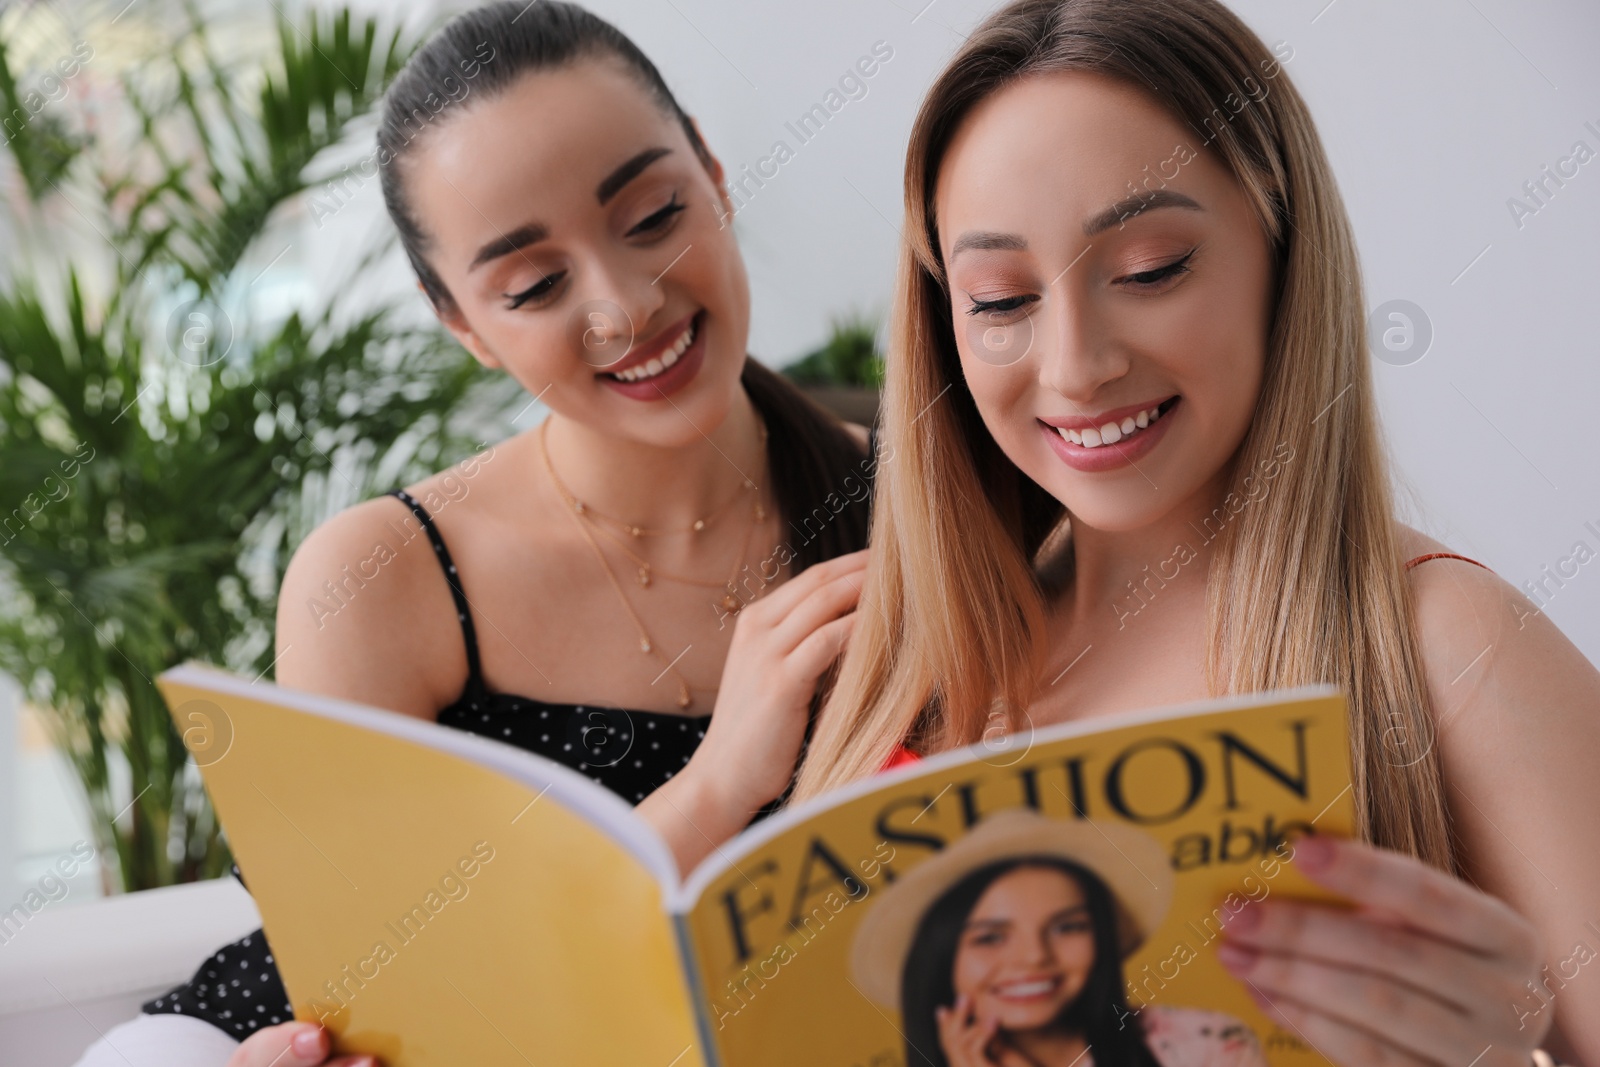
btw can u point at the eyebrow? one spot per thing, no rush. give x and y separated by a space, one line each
533 232
1120 212
613 183
1137 204
508 243
1063 913
987 241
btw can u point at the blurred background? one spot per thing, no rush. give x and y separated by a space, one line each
210 342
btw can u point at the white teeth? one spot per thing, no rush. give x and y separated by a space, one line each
1026 989
1111 432
656 366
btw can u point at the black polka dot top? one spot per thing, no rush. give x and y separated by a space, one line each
629 752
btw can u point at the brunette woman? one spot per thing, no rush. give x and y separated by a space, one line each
681 533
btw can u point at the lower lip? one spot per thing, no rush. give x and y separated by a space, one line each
1110 457
674 377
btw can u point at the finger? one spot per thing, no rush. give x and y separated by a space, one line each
1390 1011
292 1045
1336 1041
822 606
1425 898
782 600
817 652
952 1027
1351 939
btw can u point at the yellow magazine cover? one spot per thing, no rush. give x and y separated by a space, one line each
437 898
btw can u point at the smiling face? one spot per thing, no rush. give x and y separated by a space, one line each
582 239
1027 948
1108 281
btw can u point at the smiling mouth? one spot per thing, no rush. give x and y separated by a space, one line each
660 364
1027 990
1113 432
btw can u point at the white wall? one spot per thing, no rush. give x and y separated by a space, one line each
1434 112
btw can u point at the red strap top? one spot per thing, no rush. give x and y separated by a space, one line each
1441 555
903 755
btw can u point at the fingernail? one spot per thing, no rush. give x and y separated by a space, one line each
1244 920
307 1042
1236 958
1313 852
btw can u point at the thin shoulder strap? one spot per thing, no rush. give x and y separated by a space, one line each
1441 555
463 609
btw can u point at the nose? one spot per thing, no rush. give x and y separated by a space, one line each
1039 952
618 310
1078 352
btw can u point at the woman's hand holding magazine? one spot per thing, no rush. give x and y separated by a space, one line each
1425 969
292 1045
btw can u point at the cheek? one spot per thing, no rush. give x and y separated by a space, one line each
999 392
969 971
713 273
1224 368
1076 951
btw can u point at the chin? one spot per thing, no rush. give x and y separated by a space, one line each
1031 1017
1113 510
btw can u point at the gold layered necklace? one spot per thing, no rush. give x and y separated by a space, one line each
586 516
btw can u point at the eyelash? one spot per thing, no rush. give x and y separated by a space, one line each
1151 278
651 224
1171 270
659 219
540 288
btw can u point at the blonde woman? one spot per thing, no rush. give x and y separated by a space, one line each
1137 463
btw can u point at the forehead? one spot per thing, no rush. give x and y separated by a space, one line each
1035 887
1076 132
541 145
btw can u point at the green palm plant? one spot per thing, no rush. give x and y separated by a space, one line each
158 467
849 357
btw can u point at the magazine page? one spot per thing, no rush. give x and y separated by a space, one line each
435 898
1069 884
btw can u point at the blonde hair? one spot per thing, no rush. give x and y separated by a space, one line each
1306 585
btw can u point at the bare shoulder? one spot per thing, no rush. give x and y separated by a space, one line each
1457 603
1489 650
1461 608
859 432
365 612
